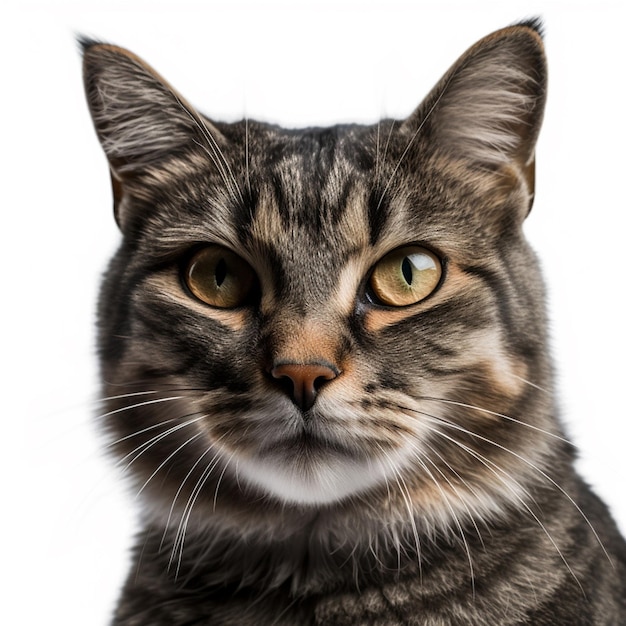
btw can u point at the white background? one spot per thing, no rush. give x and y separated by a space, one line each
67 522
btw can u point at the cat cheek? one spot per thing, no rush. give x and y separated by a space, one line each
505 374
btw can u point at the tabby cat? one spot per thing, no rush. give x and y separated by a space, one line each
325 365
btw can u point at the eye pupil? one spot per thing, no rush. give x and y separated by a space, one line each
407 272
221 269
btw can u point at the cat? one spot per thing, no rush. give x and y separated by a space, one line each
324 362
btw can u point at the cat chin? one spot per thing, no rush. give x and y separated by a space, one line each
317 483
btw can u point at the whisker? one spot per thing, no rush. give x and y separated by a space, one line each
384 156
222 172
164 463
496 414
146 445
247 142
126 395
179 540
488 463
130 407
376 163
528 382
213 151
97 400
164 386
455 517
536 469
178 492
112 444
461 480
219 481
404 492
413 138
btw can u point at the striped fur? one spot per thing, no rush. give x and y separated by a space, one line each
430 482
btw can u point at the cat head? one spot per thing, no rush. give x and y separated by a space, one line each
304 318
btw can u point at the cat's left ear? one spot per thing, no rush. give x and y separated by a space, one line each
488 107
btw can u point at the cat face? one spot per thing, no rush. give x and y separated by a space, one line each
307 317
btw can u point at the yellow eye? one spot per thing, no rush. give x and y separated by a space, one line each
405 276
218 277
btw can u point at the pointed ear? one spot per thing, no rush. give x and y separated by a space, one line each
138 117
140 120
489 106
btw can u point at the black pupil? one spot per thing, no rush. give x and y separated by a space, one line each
221 269
407 272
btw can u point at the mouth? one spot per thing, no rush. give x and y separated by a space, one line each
313 470
309 445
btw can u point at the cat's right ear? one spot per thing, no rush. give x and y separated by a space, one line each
141 121
488 107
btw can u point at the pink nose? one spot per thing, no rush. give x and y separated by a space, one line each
302 381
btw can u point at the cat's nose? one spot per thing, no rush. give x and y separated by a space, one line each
302 381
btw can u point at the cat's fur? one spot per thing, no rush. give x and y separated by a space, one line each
429 483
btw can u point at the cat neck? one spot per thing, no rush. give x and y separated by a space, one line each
352 545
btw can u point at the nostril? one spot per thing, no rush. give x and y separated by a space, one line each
286 383
319 381
302 381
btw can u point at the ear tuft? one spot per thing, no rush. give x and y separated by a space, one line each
85 42
534 23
